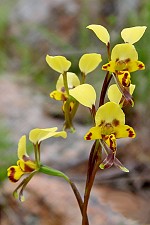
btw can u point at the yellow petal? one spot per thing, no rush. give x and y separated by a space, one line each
131 88
22 148
123 131
133 34
93 134
14 173
37 135
111 113
111 141
111 66
84 94
72 80
27 166
57 95
124 78
124 52
135 65
114 94
101 32
58 63
89 62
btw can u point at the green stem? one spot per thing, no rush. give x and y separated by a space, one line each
75 107
65 82
37 154
83 78
50 171
68 120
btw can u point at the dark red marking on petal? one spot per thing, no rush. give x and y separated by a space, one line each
141 66
88 137
124 80
127 60
28 168
104 67
115 122
102 123
131 133
12 175
63 98
111 143
126 74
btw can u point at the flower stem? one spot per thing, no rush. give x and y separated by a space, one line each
37 154
104 88
79 200
53 172
83 78
74 110
92 169
108 51
68 120
65 82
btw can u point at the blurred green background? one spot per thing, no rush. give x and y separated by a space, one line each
31 29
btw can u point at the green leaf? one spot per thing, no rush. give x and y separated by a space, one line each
53 172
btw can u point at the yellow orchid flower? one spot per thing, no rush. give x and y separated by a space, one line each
89 62
133 34
124 59
60 92
110 125
27 166
58 63
24 165
114 94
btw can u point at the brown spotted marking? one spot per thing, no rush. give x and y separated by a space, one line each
128 60
131 133
12 175
141 66
102 123
112 144
88 137
115 122
28 168
124 80
105 67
